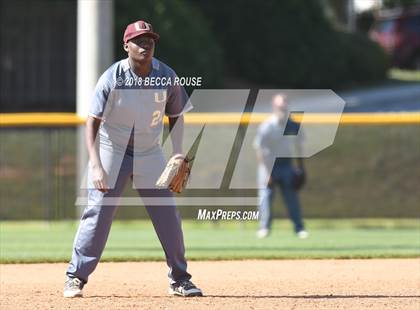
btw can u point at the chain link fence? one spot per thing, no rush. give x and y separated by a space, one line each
369 171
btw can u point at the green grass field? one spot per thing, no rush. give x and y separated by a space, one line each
136 240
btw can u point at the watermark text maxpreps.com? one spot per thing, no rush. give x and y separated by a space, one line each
219 214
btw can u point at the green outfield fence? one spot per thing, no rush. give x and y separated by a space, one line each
371 170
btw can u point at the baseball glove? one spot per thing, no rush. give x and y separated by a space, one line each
299 179
176 174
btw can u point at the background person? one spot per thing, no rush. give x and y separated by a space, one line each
284 174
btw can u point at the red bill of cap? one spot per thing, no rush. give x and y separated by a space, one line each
137 29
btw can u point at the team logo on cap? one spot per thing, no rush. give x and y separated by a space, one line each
142 26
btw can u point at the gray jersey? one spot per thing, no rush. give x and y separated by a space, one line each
131 111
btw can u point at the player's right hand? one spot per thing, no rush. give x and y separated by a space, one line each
100 179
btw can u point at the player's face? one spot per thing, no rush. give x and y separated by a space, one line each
141 49
279 106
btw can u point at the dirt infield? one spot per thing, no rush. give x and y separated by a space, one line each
275 284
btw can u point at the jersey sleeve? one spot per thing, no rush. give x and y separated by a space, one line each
262 145
178 102
260 140
100 96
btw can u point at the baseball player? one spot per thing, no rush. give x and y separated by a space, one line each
268 143
125 150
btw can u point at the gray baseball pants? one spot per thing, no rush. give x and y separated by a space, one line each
97 217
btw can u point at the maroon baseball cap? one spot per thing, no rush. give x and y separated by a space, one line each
137 29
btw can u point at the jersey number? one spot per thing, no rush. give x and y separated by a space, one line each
156 118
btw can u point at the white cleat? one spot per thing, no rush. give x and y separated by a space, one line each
73 288
263 233
185 289
302 234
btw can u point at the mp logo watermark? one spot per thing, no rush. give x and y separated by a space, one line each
223 135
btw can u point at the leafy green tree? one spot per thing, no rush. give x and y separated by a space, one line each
186 41
290 44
